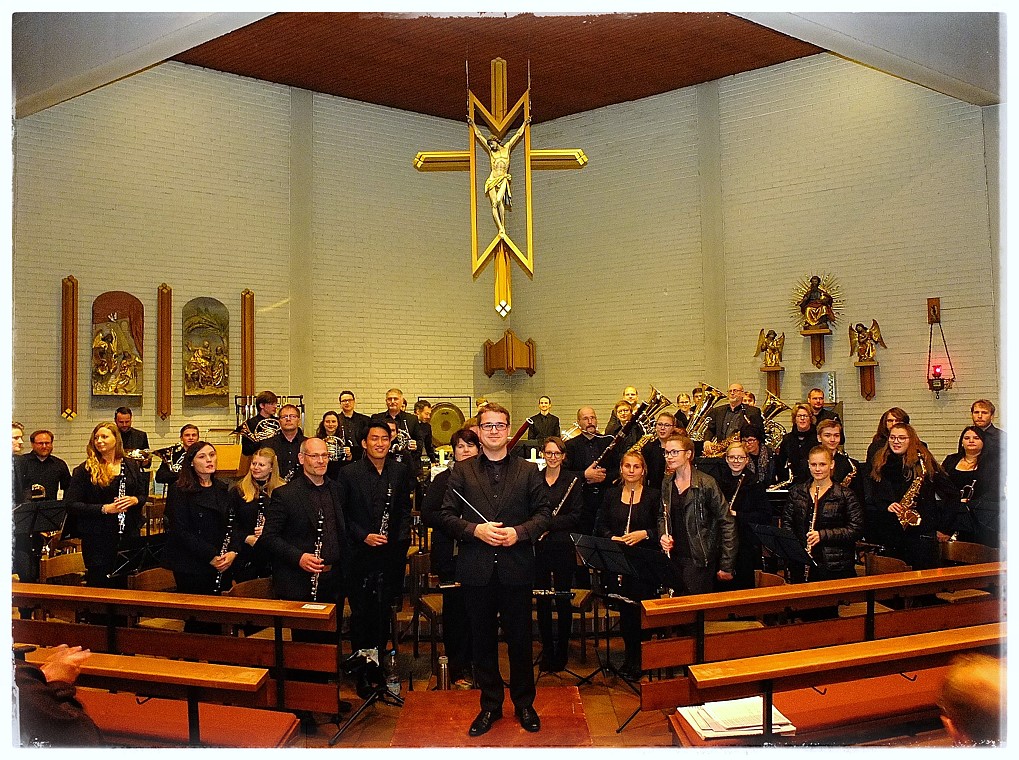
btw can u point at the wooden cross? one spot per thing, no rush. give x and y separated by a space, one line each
499 120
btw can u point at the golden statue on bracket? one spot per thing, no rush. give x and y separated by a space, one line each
497 187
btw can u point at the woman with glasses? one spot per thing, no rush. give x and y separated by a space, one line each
654 451
104 502
791 459
556 555
977 479
251 498
902 497
826 518
629 514
747 498
880 439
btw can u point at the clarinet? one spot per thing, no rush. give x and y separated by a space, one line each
813 523
384 524
560 505
319 530
224 548
121 492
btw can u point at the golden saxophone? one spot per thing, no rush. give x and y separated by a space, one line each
910 516
852 474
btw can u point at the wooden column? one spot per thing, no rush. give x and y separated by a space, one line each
774 379
164 350
868 384
69 348
247 342
816 335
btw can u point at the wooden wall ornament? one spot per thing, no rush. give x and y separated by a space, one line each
164 350
509 354
770 344
69 347
502 249
816 306
206 342
864 342
247 342
118 331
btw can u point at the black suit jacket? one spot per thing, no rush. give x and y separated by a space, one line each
523 505
363 493
291 524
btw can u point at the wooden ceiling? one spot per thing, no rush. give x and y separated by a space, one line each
417 62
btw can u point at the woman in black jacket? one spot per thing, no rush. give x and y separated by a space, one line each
791 459
203 536
826 518
104 505
251 498
629 514
978 479
557 557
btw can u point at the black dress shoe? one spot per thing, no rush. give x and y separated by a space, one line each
483 722
529 719
344 706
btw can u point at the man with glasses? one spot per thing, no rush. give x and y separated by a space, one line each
377 507
497 507
726 419
287 442
654 451
696 528
406 423
352 423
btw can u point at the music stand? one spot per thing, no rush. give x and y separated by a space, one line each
38 517
783 544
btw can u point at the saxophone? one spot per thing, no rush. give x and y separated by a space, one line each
121 493
227 537
910 517
319 530
852 474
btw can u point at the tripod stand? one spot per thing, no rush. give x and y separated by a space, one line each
374 587
549 596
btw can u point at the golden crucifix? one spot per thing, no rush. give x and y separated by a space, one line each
497 186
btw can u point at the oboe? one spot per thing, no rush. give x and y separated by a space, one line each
224 548
121 493
813 523
319 530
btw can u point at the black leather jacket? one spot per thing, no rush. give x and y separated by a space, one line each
839 523
704 517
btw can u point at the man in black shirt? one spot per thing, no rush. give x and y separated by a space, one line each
42 474
581 453
543 424
352 423
174 458
406 423
260 428
377 508
423 411
815 398
132 437
287 442
726 419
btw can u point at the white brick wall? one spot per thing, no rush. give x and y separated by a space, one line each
182 175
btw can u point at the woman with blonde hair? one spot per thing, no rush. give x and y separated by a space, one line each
104 505
251 497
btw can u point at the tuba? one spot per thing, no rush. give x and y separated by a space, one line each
697 425
773 430
656 403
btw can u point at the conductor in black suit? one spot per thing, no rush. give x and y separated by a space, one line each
496 506
300 513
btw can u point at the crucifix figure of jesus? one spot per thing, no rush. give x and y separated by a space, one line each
497 186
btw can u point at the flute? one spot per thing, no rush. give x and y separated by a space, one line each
813 523
560 505
225 548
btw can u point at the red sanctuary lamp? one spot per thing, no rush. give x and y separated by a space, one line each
936 381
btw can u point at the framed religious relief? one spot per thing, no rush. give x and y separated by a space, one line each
118 329
206 331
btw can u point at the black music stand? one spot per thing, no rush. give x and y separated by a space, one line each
783 544
30 519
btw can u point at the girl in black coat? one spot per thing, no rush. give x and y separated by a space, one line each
826 518
251 498
978 479
104 505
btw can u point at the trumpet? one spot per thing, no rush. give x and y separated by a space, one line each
697 425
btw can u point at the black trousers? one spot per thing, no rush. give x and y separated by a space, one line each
487 608
556 565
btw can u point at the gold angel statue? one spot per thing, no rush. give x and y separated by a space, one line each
864 342
771 345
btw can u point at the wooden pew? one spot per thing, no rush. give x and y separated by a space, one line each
681 626
115 637
766 674
155 677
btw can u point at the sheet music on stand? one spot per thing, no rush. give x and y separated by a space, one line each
733 717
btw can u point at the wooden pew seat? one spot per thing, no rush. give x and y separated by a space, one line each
127 721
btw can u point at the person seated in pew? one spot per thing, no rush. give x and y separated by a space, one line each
973 702
828 520
48 713
203 535
628 514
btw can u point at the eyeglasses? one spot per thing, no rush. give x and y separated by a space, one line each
492 426
674 452
316 456
735 458
290 416
553 454
664 425
898 438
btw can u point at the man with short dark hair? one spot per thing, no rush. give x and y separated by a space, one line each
497 507
174 459
815 398
352 423
262 426
43 475
543 424
982 412
132 437
287 442
423 411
